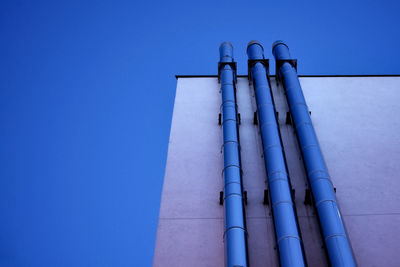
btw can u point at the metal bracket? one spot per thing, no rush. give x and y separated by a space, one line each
255 119
278 65
252 62
219 119
307 197
221 198
266 199
233 66
288 118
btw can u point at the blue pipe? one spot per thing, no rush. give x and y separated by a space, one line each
286 227
335 237
235 228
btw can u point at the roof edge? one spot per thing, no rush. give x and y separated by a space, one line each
300 75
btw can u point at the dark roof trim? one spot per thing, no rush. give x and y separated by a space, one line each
306 75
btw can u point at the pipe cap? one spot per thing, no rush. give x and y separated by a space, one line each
254 42
226 43
278 42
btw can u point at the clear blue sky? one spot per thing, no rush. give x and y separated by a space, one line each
86 98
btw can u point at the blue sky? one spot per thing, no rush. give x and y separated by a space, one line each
86 99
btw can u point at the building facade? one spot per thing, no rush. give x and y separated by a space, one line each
355 119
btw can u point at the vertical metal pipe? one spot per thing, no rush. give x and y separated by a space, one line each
235 232
335 237
286 228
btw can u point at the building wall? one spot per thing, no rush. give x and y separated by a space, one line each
357 125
